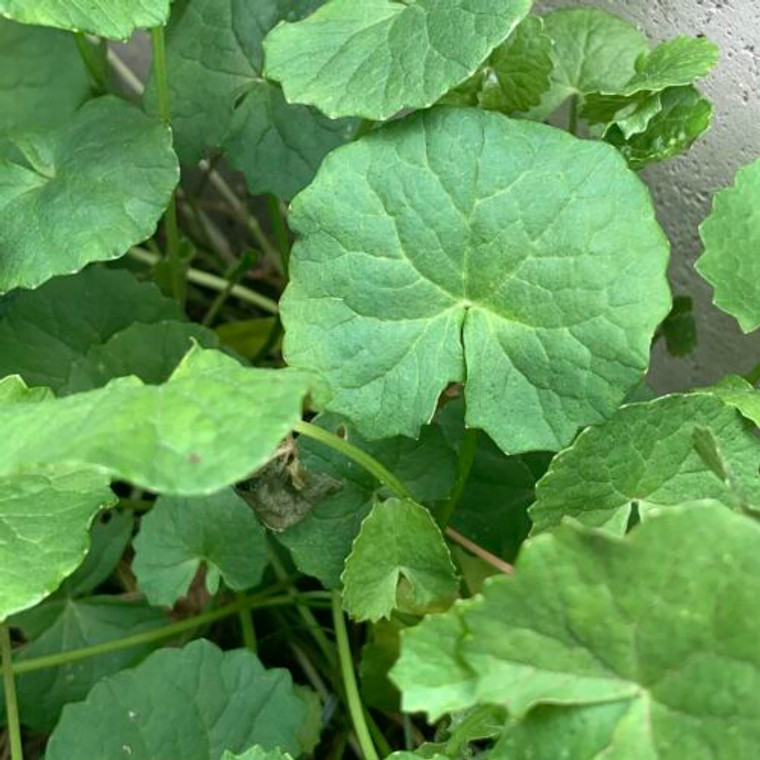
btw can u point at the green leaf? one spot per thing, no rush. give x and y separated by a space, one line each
278 146
378 656
44 517
399 560
220 101
321 542
684 116
739 394
247 337
678 62
45 332
148 351
421 259
13 390
109 538
644 458
173 438
210 701
731 236
376 58
515 75
605 61
42 77
73 624
101 17
519 70
676 654
51 220
180 534
257 753
680 327
493 508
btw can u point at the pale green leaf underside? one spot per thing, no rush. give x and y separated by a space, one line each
645 457
677 647
731 236
209 701
74 624
84 192
105 18
399 560
321 542
180 534
42 77
44 517
377 57
45 333
594 51
424 254
173 438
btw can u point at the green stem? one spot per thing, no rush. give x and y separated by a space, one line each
464 464
9 685
233 276
166 632
213 282
362 458
164 113
246 626
355 707
280 229
94 63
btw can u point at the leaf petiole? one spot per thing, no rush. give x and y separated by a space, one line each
349 681
9 685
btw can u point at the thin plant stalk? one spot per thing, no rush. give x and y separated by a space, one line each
353 699
11 704
164 113
465 461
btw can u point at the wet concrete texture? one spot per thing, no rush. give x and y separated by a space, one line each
683 188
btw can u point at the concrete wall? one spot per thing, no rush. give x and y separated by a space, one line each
682 188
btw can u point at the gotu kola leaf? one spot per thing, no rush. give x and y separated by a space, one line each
51 222
321 542
102 17
179 534
45 332
459 242
212 423
731 237
375 58
257 753
42 77
399 560
219 99
674 664
210 701
72 624
646 457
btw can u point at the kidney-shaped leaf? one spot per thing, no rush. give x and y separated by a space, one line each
648 456
399 560
83 192
377 57
663 624
42 77
208 701
179 534
731 235
105 18
44 517
45 332
212 423
461 243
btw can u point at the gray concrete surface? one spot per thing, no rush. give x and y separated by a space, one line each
683 188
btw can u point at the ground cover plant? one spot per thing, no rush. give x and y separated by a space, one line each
322 404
